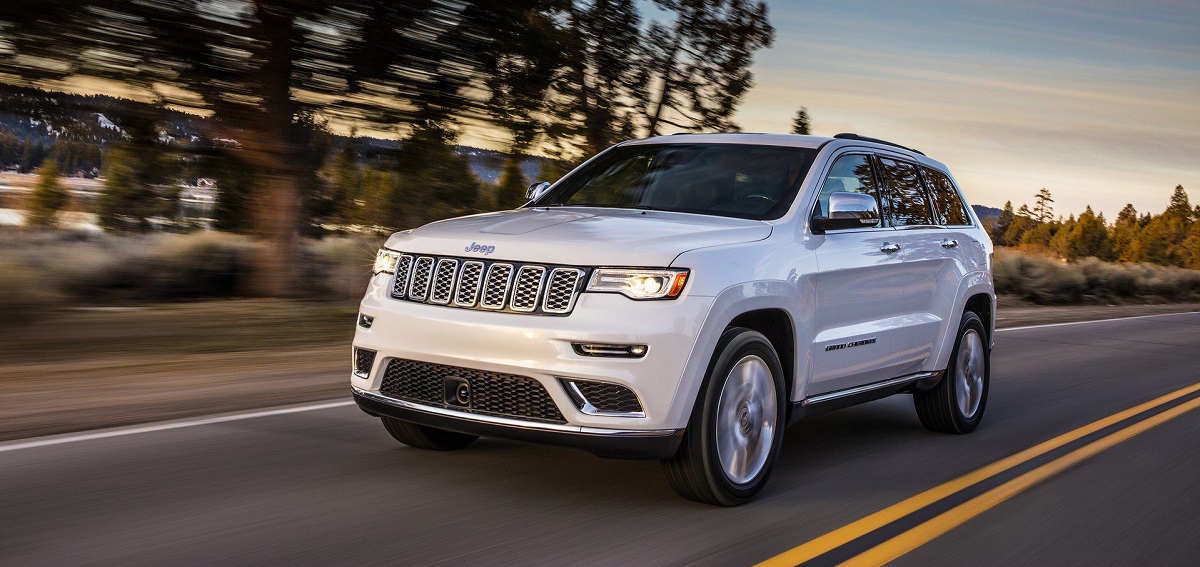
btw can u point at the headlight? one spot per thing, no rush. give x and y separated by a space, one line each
385 261
639 283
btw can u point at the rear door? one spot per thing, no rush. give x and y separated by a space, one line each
930 270
857 320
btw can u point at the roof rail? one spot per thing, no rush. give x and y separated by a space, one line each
850 136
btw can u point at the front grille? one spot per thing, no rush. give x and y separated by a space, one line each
363 361
510 287
604 397
492 393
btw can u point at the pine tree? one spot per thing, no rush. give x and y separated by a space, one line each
701 61
1179 207
1124 230
1088 237
1003 221
511 187
800 124
1043 211
49 197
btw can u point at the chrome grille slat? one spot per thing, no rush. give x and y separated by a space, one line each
418 288
443 281
403 269
500 286
562 289
495 287
467 294
527 288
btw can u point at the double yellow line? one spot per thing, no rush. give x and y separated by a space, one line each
923 533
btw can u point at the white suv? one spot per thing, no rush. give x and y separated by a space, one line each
685 298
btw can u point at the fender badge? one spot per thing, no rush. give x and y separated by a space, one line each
853 344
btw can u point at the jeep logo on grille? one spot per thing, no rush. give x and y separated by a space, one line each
457 391
481 248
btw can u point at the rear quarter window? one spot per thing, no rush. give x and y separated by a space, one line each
907 203
951 210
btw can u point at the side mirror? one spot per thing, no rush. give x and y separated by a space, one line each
848 210
536 190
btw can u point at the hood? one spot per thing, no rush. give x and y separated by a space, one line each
578 236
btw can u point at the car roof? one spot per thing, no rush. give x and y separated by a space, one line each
790 140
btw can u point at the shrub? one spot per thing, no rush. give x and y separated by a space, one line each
1046 280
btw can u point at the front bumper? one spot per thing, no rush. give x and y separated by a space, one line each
540 348
609 443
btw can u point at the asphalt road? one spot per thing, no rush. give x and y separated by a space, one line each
329 486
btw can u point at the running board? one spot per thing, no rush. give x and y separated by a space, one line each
839 399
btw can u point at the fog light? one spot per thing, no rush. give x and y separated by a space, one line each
615 351
365 321
363 361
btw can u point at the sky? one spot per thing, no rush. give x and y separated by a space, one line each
1098 101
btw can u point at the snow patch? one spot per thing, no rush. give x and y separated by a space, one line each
106 123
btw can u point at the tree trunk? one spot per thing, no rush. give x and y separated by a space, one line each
274 149
667 71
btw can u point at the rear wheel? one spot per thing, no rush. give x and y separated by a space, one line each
956 404
423 437
736 428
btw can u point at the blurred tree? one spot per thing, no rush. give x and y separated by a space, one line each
800 124
701 62
235 184
126 202
48 198
1043 211
347 183
433 182
32 155
511 187
258 66
597 93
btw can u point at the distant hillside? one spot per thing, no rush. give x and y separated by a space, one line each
40 117
985 212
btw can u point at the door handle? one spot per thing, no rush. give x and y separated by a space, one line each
889 248
949 243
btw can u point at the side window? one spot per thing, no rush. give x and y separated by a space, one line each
950 207
850 173
907 200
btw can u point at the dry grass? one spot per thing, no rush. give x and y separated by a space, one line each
39 270
1046 280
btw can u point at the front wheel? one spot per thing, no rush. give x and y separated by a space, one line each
736 428
956 404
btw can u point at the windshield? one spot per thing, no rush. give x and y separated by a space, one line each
732 180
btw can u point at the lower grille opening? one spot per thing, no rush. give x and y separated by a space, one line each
603 398
487 393
363 361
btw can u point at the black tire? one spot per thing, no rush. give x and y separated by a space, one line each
423 437
696 471
939 407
